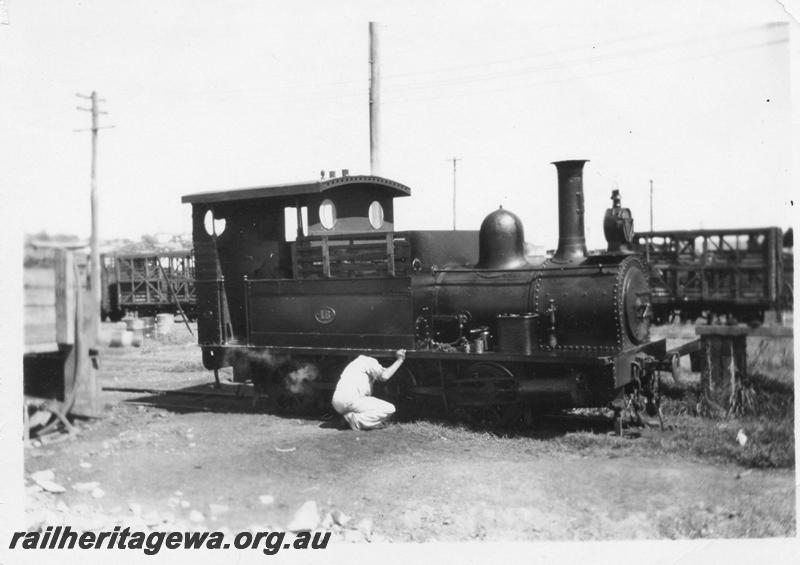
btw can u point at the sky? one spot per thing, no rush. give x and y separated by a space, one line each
695 96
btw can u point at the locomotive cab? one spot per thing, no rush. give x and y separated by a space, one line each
311 265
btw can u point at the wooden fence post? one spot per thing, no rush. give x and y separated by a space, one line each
725 362
65 297
86 389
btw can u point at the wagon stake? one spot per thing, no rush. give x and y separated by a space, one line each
175 297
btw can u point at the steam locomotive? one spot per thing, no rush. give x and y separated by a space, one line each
315 273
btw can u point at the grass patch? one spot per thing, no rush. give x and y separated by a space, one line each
770 444
769 431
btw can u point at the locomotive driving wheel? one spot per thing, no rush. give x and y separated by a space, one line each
486 394
399 389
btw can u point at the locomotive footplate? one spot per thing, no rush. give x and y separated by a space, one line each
655 349
495 378
542 357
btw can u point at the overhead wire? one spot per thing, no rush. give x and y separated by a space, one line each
393 92
390 77
389 100
573 62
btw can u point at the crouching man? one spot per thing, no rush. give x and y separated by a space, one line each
353 396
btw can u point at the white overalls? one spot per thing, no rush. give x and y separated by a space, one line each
353 396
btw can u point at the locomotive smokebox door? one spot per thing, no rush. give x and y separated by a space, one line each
637 305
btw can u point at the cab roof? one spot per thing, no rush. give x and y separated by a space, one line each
298 189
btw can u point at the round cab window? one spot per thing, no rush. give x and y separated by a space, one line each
213 226
327 214
376 215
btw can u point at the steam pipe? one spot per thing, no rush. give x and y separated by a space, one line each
571 235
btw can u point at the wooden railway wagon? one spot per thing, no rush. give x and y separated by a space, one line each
737 273
147 283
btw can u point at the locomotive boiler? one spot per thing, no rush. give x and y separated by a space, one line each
486 326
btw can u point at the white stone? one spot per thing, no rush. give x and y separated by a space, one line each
86 487
266 499
352 536
196 516
98 493
217 508
741 437
305 519
365 527
50 486
46 475
340 517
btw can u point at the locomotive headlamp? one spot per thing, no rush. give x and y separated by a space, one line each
618 226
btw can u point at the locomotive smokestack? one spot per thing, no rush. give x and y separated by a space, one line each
571 237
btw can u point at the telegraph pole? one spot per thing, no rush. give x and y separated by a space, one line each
651 204
374 99
94 257
454 160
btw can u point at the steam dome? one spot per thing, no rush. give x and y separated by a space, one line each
501 241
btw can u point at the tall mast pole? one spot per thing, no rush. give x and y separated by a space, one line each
454 160
374 99
97 294
94 254
651 204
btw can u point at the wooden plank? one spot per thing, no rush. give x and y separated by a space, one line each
326 259
353 267
85 383
350 257
65 297
294 248
358 256
762 331
389 254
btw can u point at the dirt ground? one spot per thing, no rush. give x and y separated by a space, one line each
175 462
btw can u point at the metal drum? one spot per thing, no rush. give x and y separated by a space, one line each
164 324
516 333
